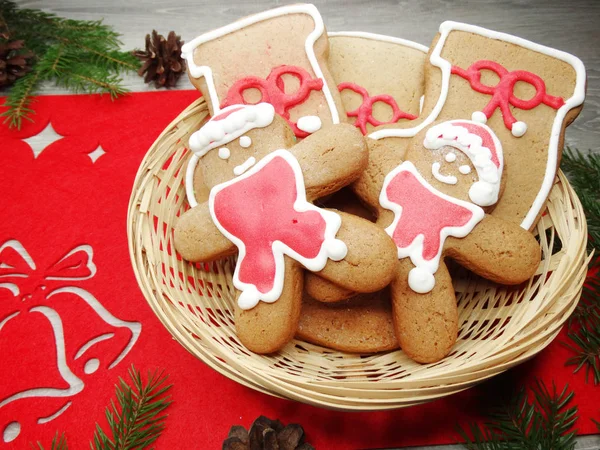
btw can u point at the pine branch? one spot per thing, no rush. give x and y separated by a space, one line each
58 443
544 422
82 55
137 419
583 171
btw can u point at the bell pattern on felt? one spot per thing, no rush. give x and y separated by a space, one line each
62 332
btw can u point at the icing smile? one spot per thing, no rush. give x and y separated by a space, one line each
447 179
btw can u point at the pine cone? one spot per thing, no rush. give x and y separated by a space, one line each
162 61
266 434
14 63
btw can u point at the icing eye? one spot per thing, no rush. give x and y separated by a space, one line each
245 142
91 366
224 153
465 169
450 157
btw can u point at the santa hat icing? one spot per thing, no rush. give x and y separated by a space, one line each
483 148
229 124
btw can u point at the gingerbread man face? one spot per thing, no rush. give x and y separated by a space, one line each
461 158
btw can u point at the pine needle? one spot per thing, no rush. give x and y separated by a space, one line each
137 418
583 171
58 443
543 422
82 56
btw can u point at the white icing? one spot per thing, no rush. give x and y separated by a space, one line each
245 142
485 191
310 124
574 101
479 116
380 37
238 170
187 51
421 101
224 153
218 132
233 126
331 248
447 179
418 281
518 129
466 169
450 157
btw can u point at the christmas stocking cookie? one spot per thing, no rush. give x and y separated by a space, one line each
526 93
390 96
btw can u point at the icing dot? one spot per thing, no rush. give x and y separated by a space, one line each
245 142
465 169
224 153
450 157
11 432
518 129
337 250
249 298
420 280
91 366
310 124
479 116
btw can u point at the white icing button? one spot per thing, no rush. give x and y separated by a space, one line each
420 280
245 142
224 153
451 157
518 129
249 298
337 250
310 124
464 169
479 116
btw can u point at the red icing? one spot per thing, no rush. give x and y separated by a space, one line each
259 210
272 91
502 94
423 212
364 113
225 114
487 139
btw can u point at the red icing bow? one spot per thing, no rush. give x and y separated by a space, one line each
503 93
364 113
272 91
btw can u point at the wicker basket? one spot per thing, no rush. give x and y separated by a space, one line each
500 327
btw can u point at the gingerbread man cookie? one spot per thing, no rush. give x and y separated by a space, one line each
261 181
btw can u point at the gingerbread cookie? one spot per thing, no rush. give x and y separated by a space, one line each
391 94
362 324
525 92
262 182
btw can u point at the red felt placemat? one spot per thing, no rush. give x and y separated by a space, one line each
72 318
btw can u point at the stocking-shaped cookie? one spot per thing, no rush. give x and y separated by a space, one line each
433 205
525 92
261 185
391 95
278 57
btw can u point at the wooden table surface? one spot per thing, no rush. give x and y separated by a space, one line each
572 26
